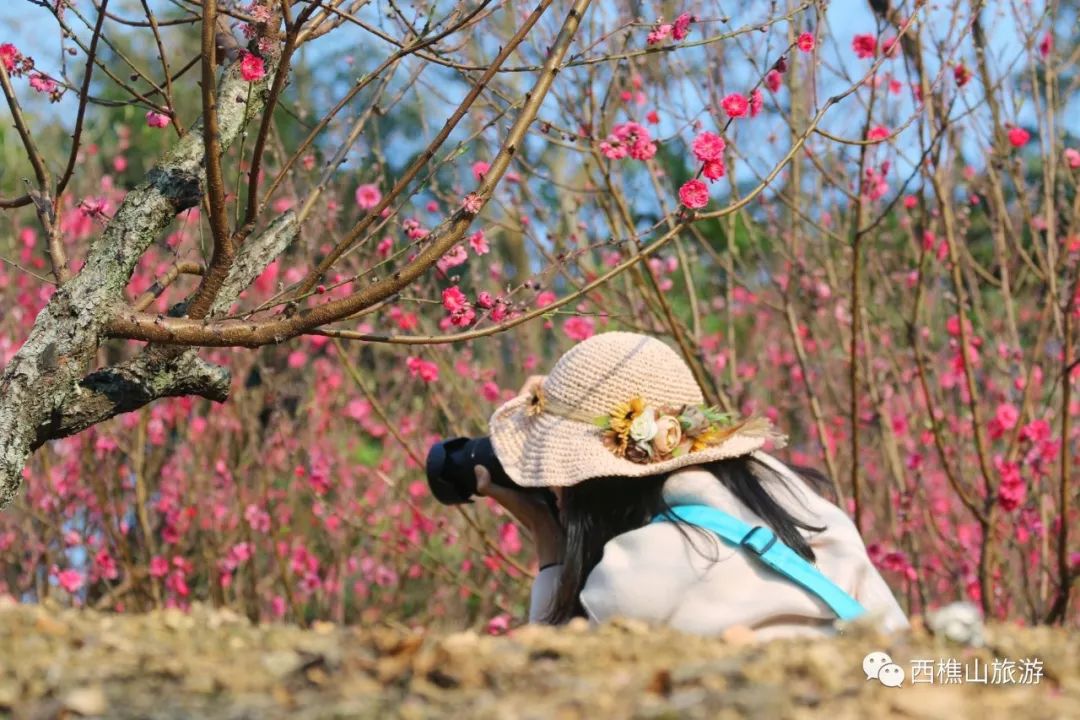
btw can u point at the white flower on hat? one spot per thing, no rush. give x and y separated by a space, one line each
643 428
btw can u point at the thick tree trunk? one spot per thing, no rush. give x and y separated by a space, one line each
43 391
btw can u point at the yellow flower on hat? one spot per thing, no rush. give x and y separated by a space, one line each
624 415
536 402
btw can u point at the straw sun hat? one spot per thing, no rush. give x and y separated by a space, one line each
620 404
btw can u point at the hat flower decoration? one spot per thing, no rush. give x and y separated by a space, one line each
617 404
644 434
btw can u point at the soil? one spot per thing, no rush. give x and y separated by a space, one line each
206 663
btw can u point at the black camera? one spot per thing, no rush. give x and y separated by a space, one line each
450 472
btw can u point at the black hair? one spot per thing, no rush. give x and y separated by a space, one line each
596 510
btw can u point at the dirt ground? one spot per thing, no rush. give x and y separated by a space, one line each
211 664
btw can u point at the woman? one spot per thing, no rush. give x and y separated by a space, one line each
669 511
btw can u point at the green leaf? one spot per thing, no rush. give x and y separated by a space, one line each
602 421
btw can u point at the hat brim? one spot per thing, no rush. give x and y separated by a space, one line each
547 450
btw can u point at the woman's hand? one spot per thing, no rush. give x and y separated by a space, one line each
531 511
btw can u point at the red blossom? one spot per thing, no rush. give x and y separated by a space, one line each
694 194
1046 45
773 80
806 42
252 67
713 169
961 74
865 46
681 27
877 133
735 105
9 55
1018 136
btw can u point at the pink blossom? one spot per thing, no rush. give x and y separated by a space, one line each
708 146
257 518
252 67
545 298
510 538
889 47
694 194
1012 490
658 34
259 12
628 139
479 243
756 102
277 606
713 169
71 580
865 46
735 105
490 391
1072 158
463 317
456 256
1018 136
42 83
806 42
157 120
681 28
773 80
423 369
159 566
480 169
9 55
368 196
105 564
1007 415
878 133
579 327
1035 431
472 203
358 409
453 299
498 625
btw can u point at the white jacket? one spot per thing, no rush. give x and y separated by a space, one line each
654 574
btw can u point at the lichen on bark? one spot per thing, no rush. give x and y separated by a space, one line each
45 391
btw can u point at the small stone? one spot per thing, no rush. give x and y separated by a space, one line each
9 692
282 662
87 701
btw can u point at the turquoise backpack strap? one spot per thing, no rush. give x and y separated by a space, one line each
763 543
